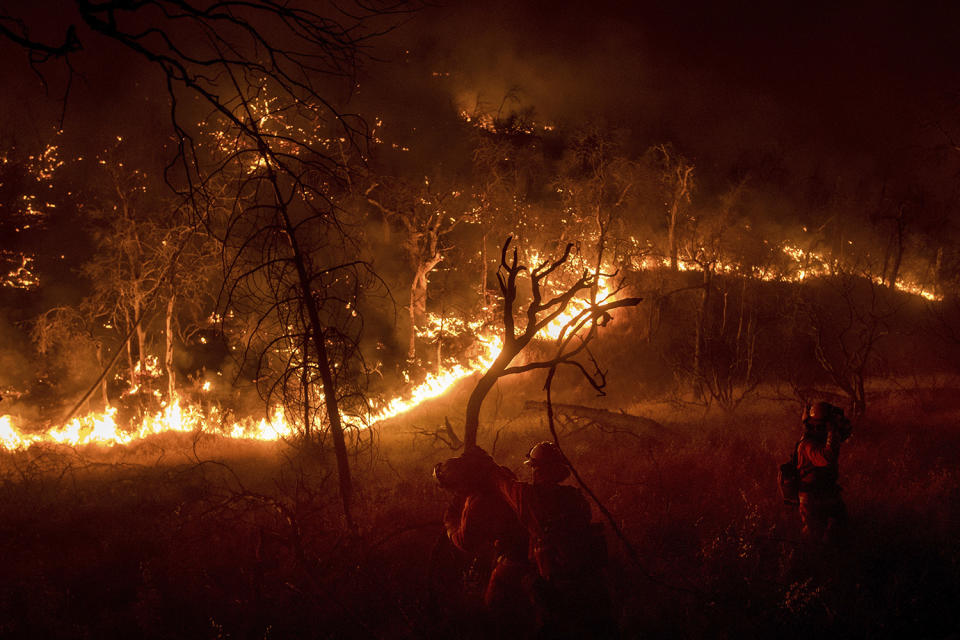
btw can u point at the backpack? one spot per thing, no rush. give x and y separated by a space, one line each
567 543
788 479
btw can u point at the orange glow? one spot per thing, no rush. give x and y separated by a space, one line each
102 428
436 385
22 277
176 416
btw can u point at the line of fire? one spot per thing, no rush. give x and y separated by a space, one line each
393 320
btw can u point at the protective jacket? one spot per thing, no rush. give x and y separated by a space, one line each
569 591
557 519
484 526
817 463
822 510
482 523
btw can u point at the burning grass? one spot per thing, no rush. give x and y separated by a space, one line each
225 538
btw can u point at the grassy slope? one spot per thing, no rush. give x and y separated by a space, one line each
250 544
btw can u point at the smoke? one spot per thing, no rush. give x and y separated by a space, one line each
840 85
17 372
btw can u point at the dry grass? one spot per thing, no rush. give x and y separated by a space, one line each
250 543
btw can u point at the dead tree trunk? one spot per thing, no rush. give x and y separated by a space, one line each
483 268
168 356
418 302
702 331
141 346
539 314
103 380
624 421
305 386
896 248
316 335
677 173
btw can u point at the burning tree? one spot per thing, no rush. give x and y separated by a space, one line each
676 177
579 321
425 216
282 231
148 254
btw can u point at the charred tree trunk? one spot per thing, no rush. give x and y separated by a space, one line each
141 347
315 334
937 270
483 269
418 308
168 356
700 338
103 379
333 413
514 342
624 421
131 365
672 237
896 244
439 362
305 386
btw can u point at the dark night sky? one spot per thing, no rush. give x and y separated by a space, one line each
837 84
857 83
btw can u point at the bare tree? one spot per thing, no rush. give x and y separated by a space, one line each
241 61
136 241
727 320
189 291
510 171
676 178
595 183
426 216
67 337
572 341
847 332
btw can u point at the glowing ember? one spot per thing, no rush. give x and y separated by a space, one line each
22 277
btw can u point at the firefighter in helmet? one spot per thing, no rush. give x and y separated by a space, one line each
482 526
822 510
567 551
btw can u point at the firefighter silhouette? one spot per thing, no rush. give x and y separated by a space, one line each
823 513
483 527
567 550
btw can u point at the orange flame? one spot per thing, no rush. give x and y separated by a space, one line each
101 428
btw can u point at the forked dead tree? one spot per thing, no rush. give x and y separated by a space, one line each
572 341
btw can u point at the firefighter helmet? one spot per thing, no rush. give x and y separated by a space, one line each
545 454
548 463
820 412
467 472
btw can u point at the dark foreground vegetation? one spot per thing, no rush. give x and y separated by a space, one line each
209 538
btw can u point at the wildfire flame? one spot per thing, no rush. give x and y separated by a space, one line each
102 428
436 385
177 416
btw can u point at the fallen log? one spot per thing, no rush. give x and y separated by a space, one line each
609 420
